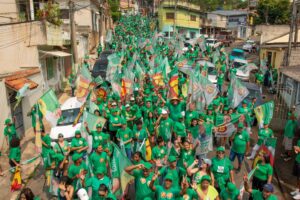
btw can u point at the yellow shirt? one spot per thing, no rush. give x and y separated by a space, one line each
212 193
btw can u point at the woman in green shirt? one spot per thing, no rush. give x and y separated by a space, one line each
263 173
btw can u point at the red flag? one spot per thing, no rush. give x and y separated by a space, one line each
173 86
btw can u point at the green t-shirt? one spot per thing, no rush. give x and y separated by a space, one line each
140 135
15 154
159 152
264 134
258 195
186 156
33 118
10 131
114 120
263 171
189 195
150 123
125 135
189 116
163 194
289 129
175 110
221 168
220 79
194 131
165 128
298 155
176 173
99 138
47 140
79 142
98 160
225 194
179 129
142 185
95 183
74 170
110 195
240 142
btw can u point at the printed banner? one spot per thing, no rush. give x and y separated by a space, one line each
225 130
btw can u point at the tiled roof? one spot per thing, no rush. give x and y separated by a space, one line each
18 79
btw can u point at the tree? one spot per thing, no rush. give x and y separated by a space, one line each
273 12
115 9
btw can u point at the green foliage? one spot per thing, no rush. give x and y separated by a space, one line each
51 13
115 9
273 12
211 5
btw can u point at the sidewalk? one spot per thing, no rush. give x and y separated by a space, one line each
28 151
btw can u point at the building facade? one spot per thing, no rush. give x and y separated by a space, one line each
181 17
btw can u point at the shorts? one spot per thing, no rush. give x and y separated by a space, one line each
287 143
239 156
296 170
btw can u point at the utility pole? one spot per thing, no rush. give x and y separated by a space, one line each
73 32
292 25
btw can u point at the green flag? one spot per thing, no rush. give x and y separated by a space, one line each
264 113
118 165
236 92
49 106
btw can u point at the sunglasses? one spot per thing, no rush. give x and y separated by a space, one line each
61 136
220 152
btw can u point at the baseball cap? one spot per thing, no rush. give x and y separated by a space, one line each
269 187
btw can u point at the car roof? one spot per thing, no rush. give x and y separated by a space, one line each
240 60
238 50
71 103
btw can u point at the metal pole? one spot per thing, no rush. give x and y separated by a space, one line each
291 33
296 27
73 32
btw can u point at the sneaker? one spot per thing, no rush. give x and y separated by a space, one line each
297 196
287 158
294 192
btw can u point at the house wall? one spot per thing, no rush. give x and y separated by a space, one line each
217 20
269 32
10 11
277 55
18 46
5 113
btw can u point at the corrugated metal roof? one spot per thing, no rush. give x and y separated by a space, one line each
18 79
230 12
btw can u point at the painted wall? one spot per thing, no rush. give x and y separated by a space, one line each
269 32
5 113
277 55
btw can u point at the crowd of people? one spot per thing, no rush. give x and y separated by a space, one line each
161 127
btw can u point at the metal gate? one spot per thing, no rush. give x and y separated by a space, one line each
18 113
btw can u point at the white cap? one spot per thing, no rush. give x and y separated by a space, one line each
164 111
131 98
113 103
127 105
207 161
182 113
82 194
136 89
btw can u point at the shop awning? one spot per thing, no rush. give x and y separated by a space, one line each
56 53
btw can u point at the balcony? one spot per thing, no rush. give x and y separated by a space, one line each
180 4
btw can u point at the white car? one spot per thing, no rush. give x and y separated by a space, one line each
212 73
243 68
213 43
69 112
249 45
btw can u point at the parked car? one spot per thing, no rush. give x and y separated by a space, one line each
69 112
236 53
213 43
101 63
249 45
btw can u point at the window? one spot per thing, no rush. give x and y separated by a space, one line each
50 68
193 18
64 14
170 15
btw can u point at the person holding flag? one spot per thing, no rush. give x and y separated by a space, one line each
99 137
267 192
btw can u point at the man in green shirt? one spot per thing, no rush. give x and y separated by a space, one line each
9 131
124 136
220 81
179 126
266 194
79 144
143 176
263 135
99 138
176 172
99 159
175 108
289 134
114 124
95 182
140 136
104 193
166 125
240 145
46 144
231 192
159 152
77 171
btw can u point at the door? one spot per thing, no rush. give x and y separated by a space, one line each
18 113
269 58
